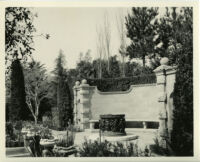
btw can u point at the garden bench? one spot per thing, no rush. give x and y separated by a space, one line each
144 122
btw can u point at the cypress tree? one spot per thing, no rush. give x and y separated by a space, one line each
18 103
63 93
182 134
64 102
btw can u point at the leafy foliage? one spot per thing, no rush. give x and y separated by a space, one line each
182 134
135 69
19 31
67 139
36 87
171 27
107 149
86 68
141 26
121 84
156 148
14 136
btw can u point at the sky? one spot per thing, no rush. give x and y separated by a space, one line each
73 30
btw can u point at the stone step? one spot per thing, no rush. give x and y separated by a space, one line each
17 152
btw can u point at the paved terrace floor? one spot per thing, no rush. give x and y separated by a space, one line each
146 136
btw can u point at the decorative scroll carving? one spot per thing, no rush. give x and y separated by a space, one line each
112 125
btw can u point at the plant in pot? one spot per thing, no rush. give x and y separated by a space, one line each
65 143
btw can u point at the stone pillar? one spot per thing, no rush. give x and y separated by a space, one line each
76 91
170 80
161 84
92 125
84 105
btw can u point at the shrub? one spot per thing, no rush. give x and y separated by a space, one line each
14 136
121 84
47 120
9 129
68 139
108 149
182 134
156 148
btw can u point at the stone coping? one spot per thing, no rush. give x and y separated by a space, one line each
123 92
118 92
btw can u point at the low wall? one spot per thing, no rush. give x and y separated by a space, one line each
137 103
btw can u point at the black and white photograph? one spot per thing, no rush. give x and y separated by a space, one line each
100 81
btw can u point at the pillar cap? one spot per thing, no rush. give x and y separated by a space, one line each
164 66
164 61
84 81
77 83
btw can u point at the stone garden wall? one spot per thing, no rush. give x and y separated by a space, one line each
137 103
145 102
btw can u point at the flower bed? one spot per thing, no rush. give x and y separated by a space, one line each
14 137
108 149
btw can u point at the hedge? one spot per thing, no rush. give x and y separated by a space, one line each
121 84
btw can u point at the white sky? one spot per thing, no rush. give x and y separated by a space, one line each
73 30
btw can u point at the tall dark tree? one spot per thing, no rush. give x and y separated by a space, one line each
182 134
18 108
141 29
19 31
63 92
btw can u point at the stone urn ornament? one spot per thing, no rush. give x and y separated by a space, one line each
48 145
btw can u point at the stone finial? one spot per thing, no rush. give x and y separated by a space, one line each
164 61
164 66
84 81
77 83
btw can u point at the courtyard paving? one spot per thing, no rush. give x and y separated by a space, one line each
145 136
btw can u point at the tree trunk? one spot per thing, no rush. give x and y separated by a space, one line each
143 60
36 119
123 67
108 63
100 69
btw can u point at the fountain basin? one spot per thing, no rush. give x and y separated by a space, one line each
127 137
